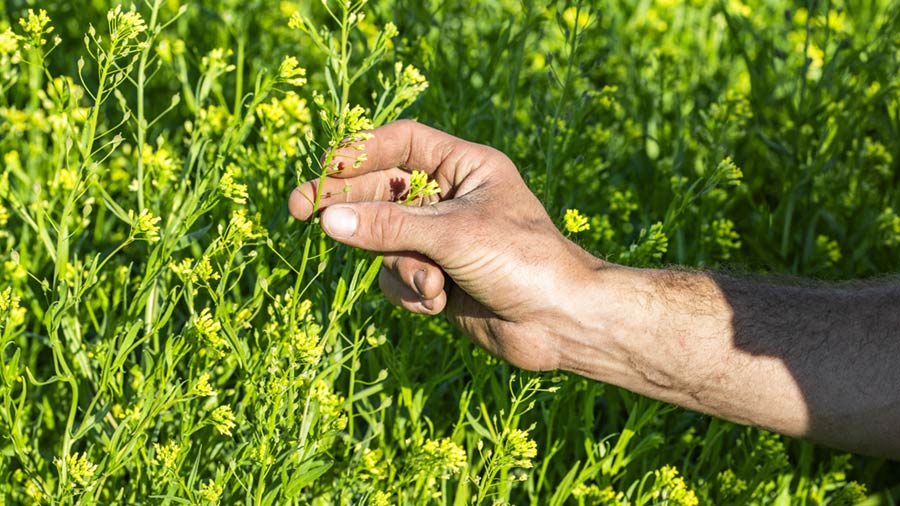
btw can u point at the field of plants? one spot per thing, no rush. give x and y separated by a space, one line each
170 335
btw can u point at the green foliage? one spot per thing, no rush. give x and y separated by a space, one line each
168 335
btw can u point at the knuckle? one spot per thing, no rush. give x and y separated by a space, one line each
500 160
387 227
407 123
391 263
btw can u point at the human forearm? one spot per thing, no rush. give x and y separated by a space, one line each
814 362
805 361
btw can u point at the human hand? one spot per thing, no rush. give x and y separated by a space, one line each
511 277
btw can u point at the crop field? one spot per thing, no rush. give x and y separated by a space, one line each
169 334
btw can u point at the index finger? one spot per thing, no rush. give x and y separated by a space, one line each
405 143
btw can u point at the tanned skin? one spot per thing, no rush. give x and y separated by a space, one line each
820 362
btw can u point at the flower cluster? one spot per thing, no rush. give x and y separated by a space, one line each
575 222
240 229
306 344
9 48
200 272
145 226
212 120
889 226
381 498
420 188
12 313
230 188
294 321
36 26
285 121
730 485
652 244
330 405
592 494
409 81
829 248
210 491
291 72
355 120
80 468
202 388
125 26
372 465
168 49
623 203
670 488
161 165
203 271
877 157
217 62
520 448
210 329
722 236
729 173
440 458
222 418
166 455
726 119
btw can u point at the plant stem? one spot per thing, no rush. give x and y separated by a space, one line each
141 121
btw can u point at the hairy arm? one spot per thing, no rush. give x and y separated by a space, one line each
822 362
817 362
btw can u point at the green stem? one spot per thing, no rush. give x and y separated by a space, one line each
141 121
550 155
239 77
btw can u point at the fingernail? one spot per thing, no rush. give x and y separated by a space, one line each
340 221
419 281
428 304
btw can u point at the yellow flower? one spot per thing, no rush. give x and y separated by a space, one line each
230 188
222 418
729 172
160 164
291 72
211 491
521 448
410 83
166 455
36 26
671 488
380 498
10 304
145 225
203 271
202 387
575 222
80 468
9 42
420 187
241 229
440 458
569 17
355 119
830 247
125 25
209 328
216 61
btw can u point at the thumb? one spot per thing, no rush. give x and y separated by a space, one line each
384 226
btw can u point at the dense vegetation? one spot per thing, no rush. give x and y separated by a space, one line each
169 335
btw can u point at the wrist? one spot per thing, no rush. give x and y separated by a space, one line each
589 325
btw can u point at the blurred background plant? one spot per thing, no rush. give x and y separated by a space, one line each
169 335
